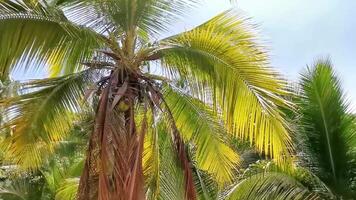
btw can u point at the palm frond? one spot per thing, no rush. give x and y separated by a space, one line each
197 123
269 186
327 128
150 17
223 66
42 116
34 37
206 186
23 186
171 175
84 13
151 160
301 175
15 190
68 189
60 180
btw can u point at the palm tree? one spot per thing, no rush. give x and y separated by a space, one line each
212 83
327 130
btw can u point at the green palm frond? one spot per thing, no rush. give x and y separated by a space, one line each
68 189
164 177
60 183
206 186
86 14
198 123
223 66
62 180
152 157
271 185
22 187
43 116
16 190
53 175
171 175
302 175
327 128
62 174
33 37
150 17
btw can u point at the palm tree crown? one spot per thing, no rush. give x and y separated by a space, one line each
327 129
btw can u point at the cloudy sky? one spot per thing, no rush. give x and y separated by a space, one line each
298 32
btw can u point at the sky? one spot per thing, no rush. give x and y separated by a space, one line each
298 32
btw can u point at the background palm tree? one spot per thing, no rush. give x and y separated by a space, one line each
327 131
213 83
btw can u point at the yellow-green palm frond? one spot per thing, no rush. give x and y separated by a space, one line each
197 123
33 37
151 160
205 185
62 178
222 65
270 185
164 178
302 176
171 175
68 189
148 16
42 116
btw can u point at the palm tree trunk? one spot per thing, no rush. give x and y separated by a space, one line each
88 186
113 168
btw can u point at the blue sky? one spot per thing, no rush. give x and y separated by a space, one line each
297 32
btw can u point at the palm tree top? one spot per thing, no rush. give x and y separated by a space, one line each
327 128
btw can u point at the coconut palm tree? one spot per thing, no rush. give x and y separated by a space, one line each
327 130
199 88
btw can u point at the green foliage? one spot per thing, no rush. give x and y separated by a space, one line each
33 36
228 93
57 178
264 179
223 66
269 186
42 116
198 123
327 130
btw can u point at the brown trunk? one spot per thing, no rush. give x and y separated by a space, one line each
88 186
113 168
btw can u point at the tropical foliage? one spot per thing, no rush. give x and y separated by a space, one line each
327 130
125 113
214 84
